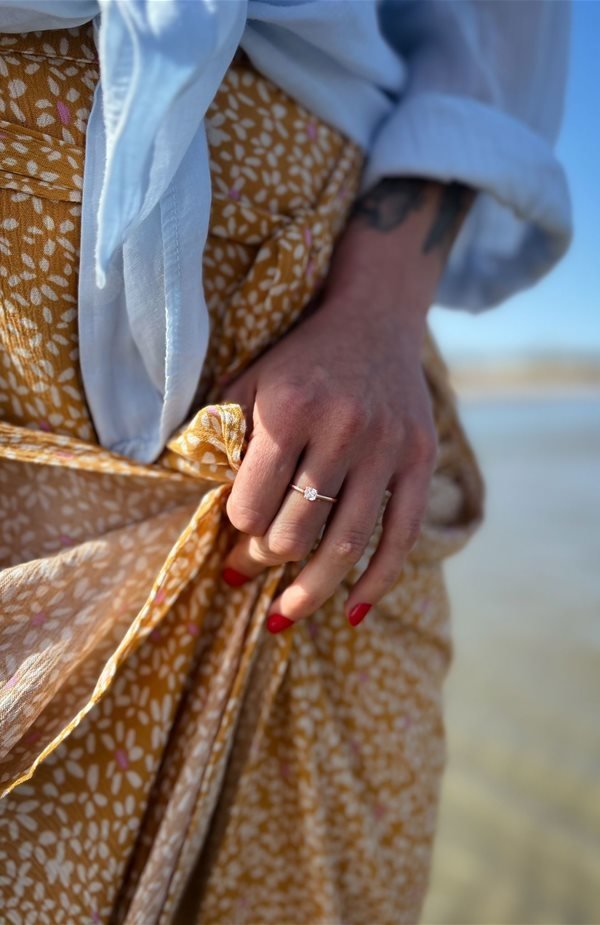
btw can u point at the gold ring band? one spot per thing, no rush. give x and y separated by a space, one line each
311 494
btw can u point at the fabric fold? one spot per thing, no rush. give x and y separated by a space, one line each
93 600
39 164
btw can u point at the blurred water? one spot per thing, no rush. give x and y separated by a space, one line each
520 823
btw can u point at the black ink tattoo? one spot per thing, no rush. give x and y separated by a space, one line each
389 203
453 203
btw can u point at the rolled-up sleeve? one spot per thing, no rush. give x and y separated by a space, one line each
483 106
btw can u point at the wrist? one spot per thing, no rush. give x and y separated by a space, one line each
393 251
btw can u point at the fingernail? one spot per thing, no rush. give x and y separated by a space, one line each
358 614
233 578
277 622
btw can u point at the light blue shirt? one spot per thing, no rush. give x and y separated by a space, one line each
448 89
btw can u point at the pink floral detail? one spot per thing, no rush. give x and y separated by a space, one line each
308 237
310 268
415 893
313 630
312 131
193 630
379 810
31 737
66 540
12 682
95 916
39 618
234 194
63 112
431 817
65 454
122 758
155 635
44 425
160 596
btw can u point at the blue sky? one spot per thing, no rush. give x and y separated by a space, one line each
561 313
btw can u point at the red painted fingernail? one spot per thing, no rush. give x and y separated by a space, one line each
233 578
358 614
277 622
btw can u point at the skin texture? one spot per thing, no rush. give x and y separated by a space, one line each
341 403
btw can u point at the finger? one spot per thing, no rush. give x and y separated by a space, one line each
344 542
242 393
297 525
401 526
263 477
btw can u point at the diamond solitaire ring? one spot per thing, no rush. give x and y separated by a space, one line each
311 494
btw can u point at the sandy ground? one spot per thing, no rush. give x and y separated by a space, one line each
519 838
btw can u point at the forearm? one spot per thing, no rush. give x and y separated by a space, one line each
394 248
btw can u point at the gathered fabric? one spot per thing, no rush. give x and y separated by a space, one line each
162 757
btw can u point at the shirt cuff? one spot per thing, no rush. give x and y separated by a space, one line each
520 224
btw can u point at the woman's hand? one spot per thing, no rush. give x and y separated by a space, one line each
340 403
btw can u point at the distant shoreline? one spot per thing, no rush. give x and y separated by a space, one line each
543 379
505 391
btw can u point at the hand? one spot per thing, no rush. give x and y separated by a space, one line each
341 403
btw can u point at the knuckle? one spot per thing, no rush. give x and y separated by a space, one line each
289 542
295 398
351 416
245 518
260 554
350 547
389 576
424 444
412 532
289 547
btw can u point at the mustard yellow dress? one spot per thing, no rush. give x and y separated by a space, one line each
162 757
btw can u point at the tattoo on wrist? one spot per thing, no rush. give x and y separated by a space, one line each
453 203
389 204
